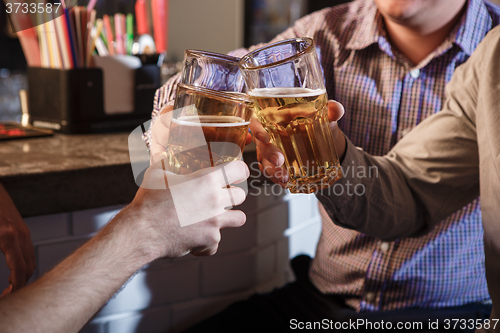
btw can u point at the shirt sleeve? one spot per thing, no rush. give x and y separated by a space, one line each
429 174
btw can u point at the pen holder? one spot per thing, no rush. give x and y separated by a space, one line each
73 101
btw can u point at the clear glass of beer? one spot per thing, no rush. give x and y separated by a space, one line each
208 128
286 84
211 70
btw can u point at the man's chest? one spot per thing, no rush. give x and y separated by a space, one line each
384 99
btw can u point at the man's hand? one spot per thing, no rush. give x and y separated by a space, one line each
271 158
159 134
15 243
157 210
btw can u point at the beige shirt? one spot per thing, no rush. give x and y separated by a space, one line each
441 165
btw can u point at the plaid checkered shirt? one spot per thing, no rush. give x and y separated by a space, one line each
385 96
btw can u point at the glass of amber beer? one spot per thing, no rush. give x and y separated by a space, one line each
208 128
211 70
286 84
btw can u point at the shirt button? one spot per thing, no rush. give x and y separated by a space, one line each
415 73
370 297
384 247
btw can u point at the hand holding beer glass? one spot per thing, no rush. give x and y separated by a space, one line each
197 137
286 85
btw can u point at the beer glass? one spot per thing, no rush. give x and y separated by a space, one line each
208 128
285 82
212 71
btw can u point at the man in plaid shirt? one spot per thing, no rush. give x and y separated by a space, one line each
387 62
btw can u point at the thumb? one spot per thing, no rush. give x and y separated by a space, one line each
335 110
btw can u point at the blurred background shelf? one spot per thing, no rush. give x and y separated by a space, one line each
215 25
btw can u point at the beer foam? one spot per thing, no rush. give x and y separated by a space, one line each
210 121
286 92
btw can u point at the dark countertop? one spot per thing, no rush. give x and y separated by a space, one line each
66 173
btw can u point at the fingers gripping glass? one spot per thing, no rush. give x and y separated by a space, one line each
286 84
208 129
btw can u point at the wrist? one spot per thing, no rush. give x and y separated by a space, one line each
127 234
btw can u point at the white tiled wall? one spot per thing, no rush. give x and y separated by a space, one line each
304 224
171 294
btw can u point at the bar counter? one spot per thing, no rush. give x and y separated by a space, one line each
66 173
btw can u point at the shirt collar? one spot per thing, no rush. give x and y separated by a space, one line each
474 25
366 31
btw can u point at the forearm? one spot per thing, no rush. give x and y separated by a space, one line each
403 194
369 199
64 299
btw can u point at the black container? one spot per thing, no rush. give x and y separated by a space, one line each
72 101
